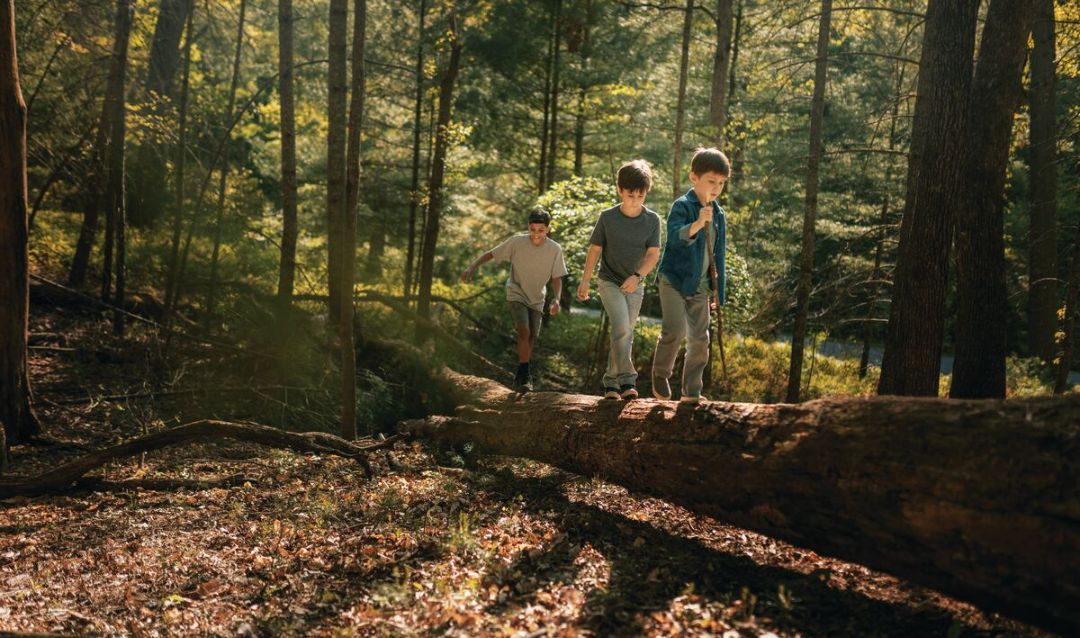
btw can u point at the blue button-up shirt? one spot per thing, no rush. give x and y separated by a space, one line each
684 255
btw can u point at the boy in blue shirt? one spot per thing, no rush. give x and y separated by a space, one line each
685 284
626 243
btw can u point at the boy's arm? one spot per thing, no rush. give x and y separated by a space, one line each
471 270
652 255
685 224
591 258
556 292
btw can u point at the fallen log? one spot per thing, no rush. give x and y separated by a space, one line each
978 499
68 474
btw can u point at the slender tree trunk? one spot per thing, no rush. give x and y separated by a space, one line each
725 21
171 278
1068 321
1042 241
117 198
432 134
542 169
114 92
290 226
17 420
981 303
148 193
348 226
579 124
223 180
438 170
414 189
553 137
806 261
680 108
736 151
114 153
883 220
913 343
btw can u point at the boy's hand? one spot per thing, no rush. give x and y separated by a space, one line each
467 274
705 215
583 291
631 284
553 308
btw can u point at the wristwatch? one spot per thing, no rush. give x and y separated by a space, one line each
638 275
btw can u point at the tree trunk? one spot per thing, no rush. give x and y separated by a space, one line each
118 207
981 305
735 151
114 162
579 124
348 229
17 421
148 192
289 225
553 134
913 342
806 260
1068 320
725 20
542 172
1042 240
114 93
975 498
680 107
414 190
223 180
438 170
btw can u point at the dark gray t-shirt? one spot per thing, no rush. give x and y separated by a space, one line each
624 241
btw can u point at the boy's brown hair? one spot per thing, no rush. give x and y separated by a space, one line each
710 160
635 175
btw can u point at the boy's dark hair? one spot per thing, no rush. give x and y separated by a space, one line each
710 160
635 175
539 216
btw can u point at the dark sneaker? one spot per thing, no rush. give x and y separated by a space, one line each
692 399
612 393
527 384
522 382
661 389
628 391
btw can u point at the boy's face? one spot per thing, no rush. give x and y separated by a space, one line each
708 185
537 233
632 200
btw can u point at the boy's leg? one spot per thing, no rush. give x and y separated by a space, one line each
697 344
520 313
672 331
627 369
622 334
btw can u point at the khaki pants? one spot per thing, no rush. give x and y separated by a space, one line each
684 317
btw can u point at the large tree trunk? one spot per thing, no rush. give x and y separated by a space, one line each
438 170
114 168
725 22
1042 241
981 307
1068 320
348 229
223 179
336 190
17 420
913 343
975 498
806 260
680 106
148 193
114 92
289 224
414 190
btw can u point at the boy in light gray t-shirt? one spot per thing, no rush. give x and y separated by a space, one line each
534 260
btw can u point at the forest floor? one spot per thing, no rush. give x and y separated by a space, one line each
307 545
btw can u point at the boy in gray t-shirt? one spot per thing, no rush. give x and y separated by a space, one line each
534 260
626 242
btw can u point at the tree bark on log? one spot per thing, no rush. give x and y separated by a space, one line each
68 474
978 499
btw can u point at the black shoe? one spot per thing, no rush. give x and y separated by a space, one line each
628 391
522 382
526 385
612 393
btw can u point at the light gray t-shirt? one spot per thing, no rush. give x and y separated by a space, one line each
624 241
531 267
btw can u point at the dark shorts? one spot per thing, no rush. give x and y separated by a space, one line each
526 316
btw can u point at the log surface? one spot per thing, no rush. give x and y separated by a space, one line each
978 499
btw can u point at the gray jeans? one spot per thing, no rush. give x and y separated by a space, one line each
622 310
683 317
